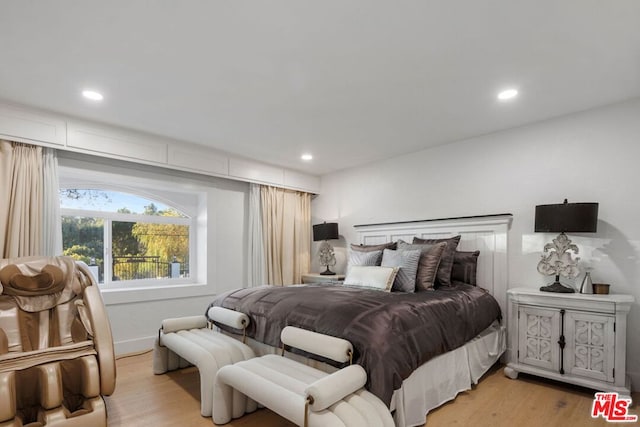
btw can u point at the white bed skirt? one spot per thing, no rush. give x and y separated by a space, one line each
443 377
435 382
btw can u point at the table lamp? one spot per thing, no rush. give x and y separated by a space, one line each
557 258
326 231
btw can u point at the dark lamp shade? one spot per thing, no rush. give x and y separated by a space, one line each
325 231
567 217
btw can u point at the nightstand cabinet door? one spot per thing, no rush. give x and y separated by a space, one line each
590 345
539 332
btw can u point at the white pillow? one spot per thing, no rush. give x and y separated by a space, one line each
379 278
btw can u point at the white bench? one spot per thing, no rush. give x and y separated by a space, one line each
304 395
188 341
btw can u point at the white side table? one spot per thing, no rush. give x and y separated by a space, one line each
575 338
319 278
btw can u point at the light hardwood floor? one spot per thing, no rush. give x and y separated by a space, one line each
144 399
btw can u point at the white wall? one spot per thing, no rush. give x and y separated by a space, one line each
586 157
135 315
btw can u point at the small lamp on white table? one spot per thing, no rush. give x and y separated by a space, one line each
323 232
560 218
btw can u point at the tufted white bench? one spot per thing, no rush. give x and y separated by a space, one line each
185 341
304 395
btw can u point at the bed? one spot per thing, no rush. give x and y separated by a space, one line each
419 349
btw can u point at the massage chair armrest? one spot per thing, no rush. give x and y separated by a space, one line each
102 339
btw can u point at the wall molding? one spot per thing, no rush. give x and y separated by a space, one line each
32 126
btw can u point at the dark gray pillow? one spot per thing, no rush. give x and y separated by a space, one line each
430 255
443 278
465 266
408 261
369 248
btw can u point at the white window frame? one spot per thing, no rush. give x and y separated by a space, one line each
110 217
155 189
193 195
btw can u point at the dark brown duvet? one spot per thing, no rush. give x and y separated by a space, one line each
392 333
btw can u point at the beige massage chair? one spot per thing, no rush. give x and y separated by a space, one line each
56 350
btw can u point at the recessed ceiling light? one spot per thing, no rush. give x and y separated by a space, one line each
306 157
507 94
92 95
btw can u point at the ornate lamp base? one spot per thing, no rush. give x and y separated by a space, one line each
327 258
327 272
557 260
557 287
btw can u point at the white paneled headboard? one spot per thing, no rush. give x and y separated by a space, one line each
487 234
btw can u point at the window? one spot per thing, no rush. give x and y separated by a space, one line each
126 239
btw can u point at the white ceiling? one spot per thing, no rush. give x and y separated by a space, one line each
351 81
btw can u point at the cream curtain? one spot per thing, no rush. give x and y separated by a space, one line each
255 252
286 229
21 199
52 224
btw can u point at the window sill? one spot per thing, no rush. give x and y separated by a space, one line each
155 293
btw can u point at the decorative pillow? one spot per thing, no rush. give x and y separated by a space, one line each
465 265
369 248
370 258
430 255
443 277
378 278
407 261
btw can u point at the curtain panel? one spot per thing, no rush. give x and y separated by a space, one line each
256 273
286 230
51 219
29 201
21 199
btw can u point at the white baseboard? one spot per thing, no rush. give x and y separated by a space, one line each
635 381
134 345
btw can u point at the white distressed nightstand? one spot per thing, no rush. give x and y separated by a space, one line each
319 278
576 338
